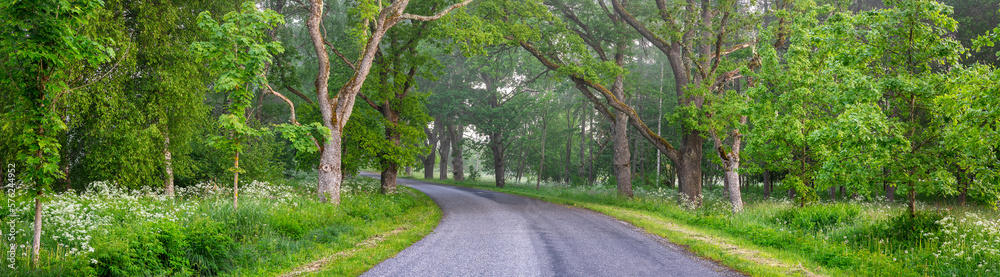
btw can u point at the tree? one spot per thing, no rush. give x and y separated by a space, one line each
336 110
696 42
236 51
971 131
42 43
912 42
392 95
497 113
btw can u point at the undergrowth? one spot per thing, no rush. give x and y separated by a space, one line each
111 231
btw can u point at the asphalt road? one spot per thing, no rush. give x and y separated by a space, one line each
485 233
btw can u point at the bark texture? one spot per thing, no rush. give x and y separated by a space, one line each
428 160
36 237
499 168
731 164
457 161
445 154
168 182
619 132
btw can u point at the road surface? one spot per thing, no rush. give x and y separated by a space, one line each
485 233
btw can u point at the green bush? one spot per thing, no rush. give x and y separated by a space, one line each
818 217
209 246
158 249
905 227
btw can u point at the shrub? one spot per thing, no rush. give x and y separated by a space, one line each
818 217
126 252
905 227
209 246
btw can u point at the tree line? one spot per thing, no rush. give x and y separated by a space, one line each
857 98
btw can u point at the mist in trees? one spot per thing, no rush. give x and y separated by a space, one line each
832 99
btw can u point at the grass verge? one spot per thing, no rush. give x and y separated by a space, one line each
391 237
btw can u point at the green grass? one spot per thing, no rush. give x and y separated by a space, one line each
277 229
777 238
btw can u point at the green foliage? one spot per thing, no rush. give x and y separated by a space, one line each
851 101
803 194
971 132
41 44
237 54
819 217
209 246
200 233
124 252
912 228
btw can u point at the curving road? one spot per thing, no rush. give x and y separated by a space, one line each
485 233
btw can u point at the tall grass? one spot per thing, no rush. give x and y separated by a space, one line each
111 231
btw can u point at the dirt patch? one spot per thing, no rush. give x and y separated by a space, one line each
746 254
321 263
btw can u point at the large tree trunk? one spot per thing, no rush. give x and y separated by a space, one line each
767 184
428 160
457 161
499 168
731 165
689 169
733 182
445 154
389 172
619 133
389 168
329 169
328 181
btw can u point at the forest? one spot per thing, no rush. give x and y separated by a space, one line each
237 130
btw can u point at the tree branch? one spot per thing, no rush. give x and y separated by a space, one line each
113 68
290 105
663 45
296 92
369 101
340 55
436 16
662 144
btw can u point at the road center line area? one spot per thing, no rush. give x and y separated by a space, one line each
486 233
